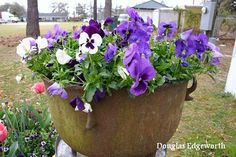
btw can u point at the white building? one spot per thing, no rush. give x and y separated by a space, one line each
147 8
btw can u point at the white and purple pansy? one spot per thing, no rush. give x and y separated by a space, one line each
79 56
79 105
26 46
62 57
90 44
29 45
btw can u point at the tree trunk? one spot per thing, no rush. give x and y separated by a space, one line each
108 8
95 9
32 27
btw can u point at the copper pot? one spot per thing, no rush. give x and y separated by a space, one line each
120 126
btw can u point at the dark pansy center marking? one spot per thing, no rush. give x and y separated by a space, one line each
167 26
90 43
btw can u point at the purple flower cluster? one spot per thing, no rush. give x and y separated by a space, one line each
190 44
136 59
139 68
53 37
135 30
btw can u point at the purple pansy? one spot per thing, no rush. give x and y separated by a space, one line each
122 29
56 89
55 36
76 34
130 54
184 63
185 46
184 49
99 95
108 21
186 35
139 35
133 14
144 49
48 35
76 102
142 71
215 60
166 30
110 53
59 32
135 51
200 42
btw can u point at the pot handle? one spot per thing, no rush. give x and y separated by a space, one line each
90 121
191 90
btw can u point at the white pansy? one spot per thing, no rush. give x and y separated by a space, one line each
62 57
122 72
90 45
19 77
24 47
88 108
42 43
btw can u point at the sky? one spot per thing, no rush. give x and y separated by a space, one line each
44 5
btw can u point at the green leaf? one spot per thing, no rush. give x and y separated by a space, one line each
113 85
105 74
13 149
90 93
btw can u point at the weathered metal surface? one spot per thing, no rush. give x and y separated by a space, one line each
123 126
63 150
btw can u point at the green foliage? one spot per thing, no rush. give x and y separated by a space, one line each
95 73
28 130
192 20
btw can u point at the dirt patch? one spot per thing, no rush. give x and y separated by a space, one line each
10 41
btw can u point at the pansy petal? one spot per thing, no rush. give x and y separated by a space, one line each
83 38
88 108
62 57
84 49
21 51
94 50
138 88
97 39
42 43
148 73
185 35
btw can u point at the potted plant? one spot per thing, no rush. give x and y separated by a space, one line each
130 82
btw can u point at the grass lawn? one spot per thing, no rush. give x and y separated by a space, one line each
209 118
10 29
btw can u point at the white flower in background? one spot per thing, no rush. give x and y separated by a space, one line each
19 77
62 57
26 45
123 72
41 43
87 108
90 45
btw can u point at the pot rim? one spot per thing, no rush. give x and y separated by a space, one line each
81 88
